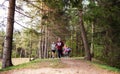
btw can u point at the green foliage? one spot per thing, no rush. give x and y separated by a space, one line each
104 15
98 51
54 4
76 3
72 45
25 41
1 42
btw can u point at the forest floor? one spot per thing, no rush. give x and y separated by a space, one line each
71 66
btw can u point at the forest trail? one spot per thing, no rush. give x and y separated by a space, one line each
73 67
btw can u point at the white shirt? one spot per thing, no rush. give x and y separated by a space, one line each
52 46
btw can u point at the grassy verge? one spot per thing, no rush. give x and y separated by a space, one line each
107 67
104 66
56 63
0 64
100 64
53 63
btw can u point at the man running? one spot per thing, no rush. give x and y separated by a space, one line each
59 46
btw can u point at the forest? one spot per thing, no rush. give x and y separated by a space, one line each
91 28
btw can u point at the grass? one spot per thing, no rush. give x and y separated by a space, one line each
54 63
78 58
0 64
104 66
100 64
107 67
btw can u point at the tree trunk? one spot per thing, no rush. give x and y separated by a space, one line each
39 46
71 43
45 44
84 38
77 50
47 41
92 40
30 48
42 43
7 52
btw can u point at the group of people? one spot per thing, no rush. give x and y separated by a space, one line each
60 48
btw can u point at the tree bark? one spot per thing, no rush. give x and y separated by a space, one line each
92 41
77 50
84 38
7 52
45 44
71 43
30 43
39 46
42 43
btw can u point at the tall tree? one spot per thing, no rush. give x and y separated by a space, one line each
78 4
84 38
6 62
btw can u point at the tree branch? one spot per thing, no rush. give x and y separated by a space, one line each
38 6
23 14
21 25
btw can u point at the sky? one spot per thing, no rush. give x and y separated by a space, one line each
3 13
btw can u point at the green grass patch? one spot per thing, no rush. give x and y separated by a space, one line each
100 64
0 64
107 67
39 63
78 58
104 66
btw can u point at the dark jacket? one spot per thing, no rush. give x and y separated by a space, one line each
59 45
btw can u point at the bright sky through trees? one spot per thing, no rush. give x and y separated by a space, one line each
3 15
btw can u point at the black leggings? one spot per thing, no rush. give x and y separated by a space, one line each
60 53
53 51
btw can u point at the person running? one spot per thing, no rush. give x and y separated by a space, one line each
67 50
53 49
59 46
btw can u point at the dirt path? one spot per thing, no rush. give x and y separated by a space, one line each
74 67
